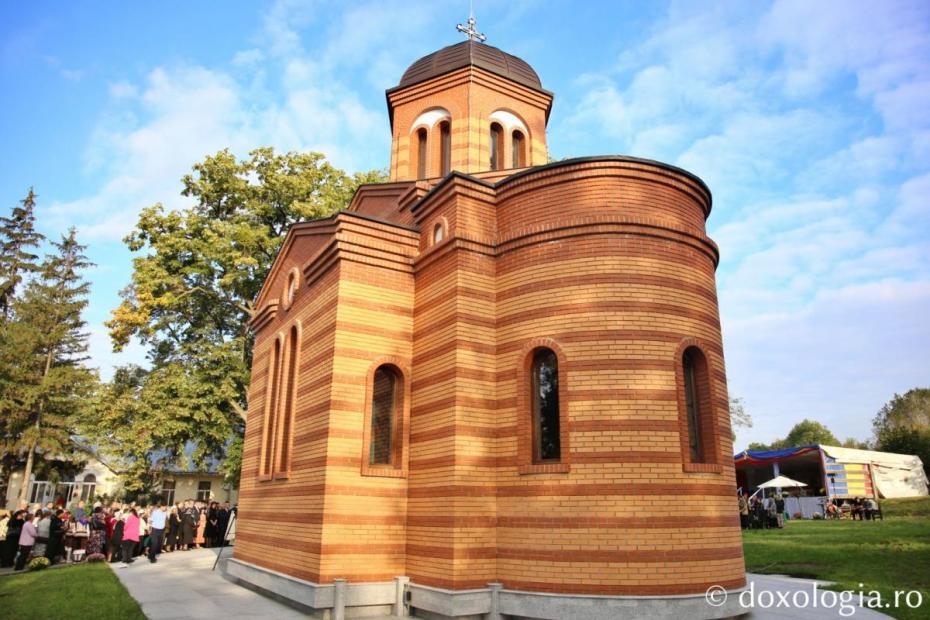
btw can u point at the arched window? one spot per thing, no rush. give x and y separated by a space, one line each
287 422
291 291
438 233
421 153
692 406
519 149
271 407
445 147
544 396
697 406
497 146
386 397
88 487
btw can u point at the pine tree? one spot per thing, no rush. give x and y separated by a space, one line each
17 235
47 333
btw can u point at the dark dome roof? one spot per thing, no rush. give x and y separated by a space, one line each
469 53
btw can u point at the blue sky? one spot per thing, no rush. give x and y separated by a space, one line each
810 121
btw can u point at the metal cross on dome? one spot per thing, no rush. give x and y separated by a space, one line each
470 31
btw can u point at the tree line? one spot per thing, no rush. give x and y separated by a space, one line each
902 426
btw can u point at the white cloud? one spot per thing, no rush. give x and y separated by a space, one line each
806 120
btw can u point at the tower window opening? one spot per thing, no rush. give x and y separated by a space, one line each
519 149
421 154
497 147
445 142
438 233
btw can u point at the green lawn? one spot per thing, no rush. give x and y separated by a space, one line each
78 592
883 555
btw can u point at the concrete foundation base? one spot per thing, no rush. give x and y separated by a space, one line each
400 598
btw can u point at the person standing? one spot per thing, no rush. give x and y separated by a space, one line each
157 522
779 510
211 532
116 539
43 533
223 523
27 538
13 529
130 535
743 503
173 531
97 526
188 525
200 517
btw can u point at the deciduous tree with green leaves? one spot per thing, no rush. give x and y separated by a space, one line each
903 425
195 277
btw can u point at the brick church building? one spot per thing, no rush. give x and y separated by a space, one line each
494 386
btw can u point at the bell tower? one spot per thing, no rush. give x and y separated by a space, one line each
468 107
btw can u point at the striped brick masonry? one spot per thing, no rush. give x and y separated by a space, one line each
451 283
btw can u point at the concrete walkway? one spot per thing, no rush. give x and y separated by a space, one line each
181 585
801 591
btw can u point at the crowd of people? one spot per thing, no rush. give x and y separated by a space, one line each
770 512
117 533
757 513
860 508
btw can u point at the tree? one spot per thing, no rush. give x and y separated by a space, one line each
195 276
739 418
804 433
17 235
43 350
902 425
807 432
856 444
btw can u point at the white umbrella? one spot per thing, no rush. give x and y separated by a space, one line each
781 481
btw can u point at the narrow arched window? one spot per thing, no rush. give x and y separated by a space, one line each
497 147
519 152
437 233
445 147
692 406
385 398
544 386
287 421
272 406
421 153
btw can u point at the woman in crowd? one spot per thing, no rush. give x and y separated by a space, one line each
11 543
201 520
56 546
115 550
188 525
130 535
210 532
97 526
27 539
174 530
43 532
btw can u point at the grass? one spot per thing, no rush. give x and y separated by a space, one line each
882 555
907 507
78 592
